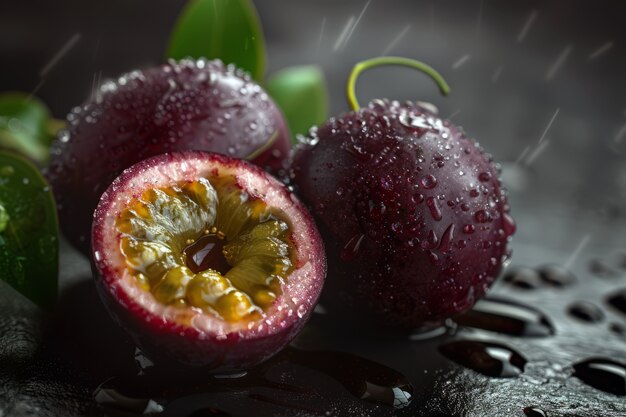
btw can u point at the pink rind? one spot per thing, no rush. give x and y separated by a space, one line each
220 348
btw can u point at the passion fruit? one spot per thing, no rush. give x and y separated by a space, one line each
188 105
411 209
206 260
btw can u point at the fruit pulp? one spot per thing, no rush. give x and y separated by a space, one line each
207 244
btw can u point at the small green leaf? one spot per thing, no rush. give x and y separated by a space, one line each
4 218
302 95
29 246
24 126
228 30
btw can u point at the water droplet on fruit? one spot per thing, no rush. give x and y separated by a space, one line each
417 198
484 176
508 317
603 374
415 122
301 310
487 358
64 136
351 248
482 216
586 311
508 224
429 182
469 229
433 206
446 238
474 193
386 182
431 240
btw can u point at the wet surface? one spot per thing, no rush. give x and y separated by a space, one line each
567 197
487 358
294 380
513 352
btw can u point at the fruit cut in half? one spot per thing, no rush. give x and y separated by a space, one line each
206 259
189 105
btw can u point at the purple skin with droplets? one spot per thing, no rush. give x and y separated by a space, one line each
412 212
179 106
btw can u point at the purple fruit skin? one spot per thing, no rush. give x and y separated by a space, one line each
179 106
412 212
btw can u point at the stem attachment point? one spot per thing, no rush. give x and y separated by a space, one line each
390 60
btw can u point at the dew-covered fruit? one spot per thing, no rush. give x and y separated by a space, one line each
180 106
412 212
206 260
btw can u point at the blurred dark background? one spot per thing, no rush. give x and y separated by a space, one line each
514 67
540 84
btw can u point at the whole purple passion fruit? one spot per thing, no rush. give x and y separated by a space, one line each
412 211
187 105
206 260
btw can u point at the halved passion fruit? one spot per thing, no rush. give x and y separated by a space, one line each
206 259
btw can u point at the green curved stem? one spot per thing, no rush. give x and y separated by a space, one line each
391 60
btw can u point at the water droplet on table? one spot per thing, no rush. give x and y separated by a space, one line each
586 311
504 316
524 278
534 412
603 374
617 300
556 275
487 358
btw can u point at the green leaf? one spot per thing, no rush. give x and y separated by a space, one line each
229 30
29 246
302 95
24 126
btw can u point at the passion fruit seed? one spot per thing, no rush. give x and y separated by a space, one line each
209 245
